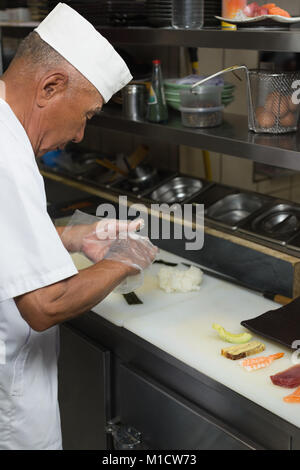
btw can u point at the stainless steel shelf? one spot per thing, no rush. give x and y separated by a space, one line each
267 40
19 24
231 138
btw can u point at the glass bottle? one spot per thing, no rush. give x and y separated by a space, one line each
157 110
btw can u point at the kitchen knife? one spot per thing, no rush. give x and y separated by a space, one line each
280 299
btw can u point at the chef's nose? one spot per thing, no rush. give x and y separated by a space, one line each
79 136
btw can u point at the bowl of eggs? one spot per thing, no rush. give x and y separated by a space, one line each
273 101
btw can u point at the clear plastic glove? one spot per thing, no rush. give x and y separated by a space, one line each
112 239
84 230
96 244
135 251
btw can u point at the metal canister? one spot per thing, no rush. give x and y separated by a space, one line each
134 101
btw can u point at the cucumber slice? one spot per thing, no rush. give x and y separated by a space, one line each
231 338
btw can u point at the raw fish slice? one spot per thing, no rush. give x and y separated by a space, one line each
289 378
259 362
294 397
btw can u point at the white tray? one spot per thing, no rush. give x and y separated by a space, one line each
257 19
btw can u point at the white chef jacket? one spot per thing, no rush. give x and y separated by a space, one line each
31 256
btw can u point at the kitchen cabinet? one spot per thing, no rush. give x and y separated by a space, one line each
84 391
174 406
167 421
296 443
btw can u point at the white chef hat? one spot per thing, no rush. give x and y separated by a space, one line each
74 38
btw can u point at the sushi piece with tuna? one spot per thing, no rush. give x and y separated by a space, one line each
289 378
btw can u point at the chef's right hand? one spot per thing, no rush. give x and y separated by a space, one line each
135 251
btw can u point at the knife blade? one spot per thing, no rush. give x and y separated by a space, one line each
280 299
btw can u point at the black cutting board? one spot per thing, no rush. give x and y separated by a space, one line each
281 325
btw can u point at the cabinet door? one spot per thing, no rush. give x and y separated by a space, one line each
168 422
83 391
296 442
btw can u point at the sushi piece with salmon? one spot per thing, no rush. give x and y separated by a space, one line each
261 362
294 397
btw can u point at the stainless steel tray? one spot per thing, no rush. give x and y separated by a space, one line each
213 193
280 223
234 209
178 189
294 242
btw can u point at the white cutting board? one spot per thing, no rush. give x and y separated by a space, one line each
185 331
115 308
180 324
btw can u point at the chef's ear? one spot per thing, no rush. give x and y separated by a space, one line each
51 86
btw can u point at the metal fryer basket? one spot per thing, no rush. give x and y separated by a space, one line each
271 102
273 106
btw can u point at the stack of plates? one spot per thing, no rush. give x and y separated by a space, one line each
160 12
10 4
93 10
126 12
211 7
172 92
38 9
110 12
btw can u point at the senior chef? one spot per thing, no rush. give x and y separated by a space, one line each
61 76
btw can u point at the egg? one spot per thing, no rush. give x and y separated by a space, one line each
292 106
277 104
266 119
289 120
259 111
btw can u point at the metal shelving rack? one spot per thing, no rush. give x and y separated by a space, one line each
279 40
232 137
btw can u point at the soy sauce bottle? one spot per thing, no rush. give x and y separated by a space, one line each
157 110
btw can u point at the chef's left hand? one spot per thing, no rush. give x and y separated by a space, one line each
96 243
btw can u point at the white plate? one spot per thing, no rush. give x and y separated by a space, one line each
276 18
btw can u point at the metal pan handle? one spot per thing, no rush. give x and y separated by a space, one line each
229 69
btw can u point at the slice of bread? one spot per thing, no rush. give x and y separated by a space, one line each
243 350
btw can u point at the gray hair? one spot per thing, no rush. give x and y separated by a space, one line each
40 55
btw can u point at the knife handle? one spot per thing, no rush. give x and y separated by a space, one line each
280 299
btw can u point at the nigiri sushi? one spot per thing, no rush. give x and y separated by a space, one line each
294 397
289 378
260 362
